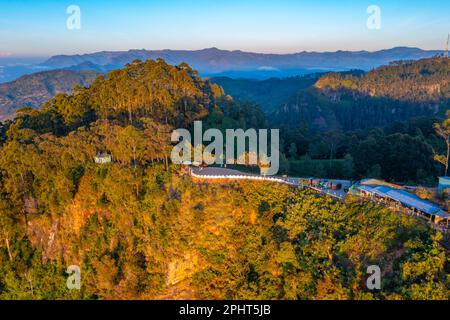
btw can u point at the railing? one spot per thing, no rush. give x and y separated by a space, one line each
239 177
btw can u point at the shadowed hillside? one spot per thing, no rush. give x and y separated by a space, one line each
385 95
35 89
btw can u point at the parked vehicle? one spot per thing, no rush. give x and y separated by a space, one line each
337 186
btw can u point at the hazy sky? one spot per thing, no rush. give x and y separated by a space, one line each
38 27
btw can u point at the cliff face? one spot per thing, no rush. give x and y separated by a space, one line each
173 239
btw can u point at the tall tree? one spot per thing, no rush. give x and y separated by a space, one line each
443 130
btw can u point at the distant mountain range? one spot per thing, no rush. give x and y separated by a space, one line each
281 97
234 64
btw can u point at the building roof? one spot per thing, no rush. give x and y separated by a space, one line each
444 180
413 201
377 182
365 188
406 198
103 155
382 191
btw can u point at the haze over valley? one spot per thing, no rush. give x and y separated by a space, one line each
306 159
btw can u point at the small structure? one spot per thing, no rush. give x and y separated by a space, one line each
377 182
444 184
103 158
386 194
196 164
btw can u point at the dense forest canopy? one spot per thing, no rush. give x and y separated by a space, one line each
355 124
327 119
140 228
423 81
316 127
385 95
375 121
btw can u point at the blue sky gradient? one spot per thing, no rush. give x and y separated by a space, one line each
38 28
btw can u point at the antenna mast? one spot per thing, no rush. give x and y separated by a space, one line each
446 49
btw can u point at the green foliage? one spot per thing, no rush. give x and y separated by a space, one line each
361 115
140 229
385 157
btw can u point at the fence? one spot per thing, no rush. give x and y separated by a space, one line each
239 177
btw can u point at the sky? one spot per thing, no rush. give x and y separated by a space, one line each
38 28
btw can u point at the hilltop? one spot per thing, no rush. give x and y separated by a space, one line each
139 228
35 89
349 101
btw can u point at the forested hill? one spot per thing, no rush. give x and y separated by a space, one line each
391 93
139 228
153 89
270 94
35 89
423 81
